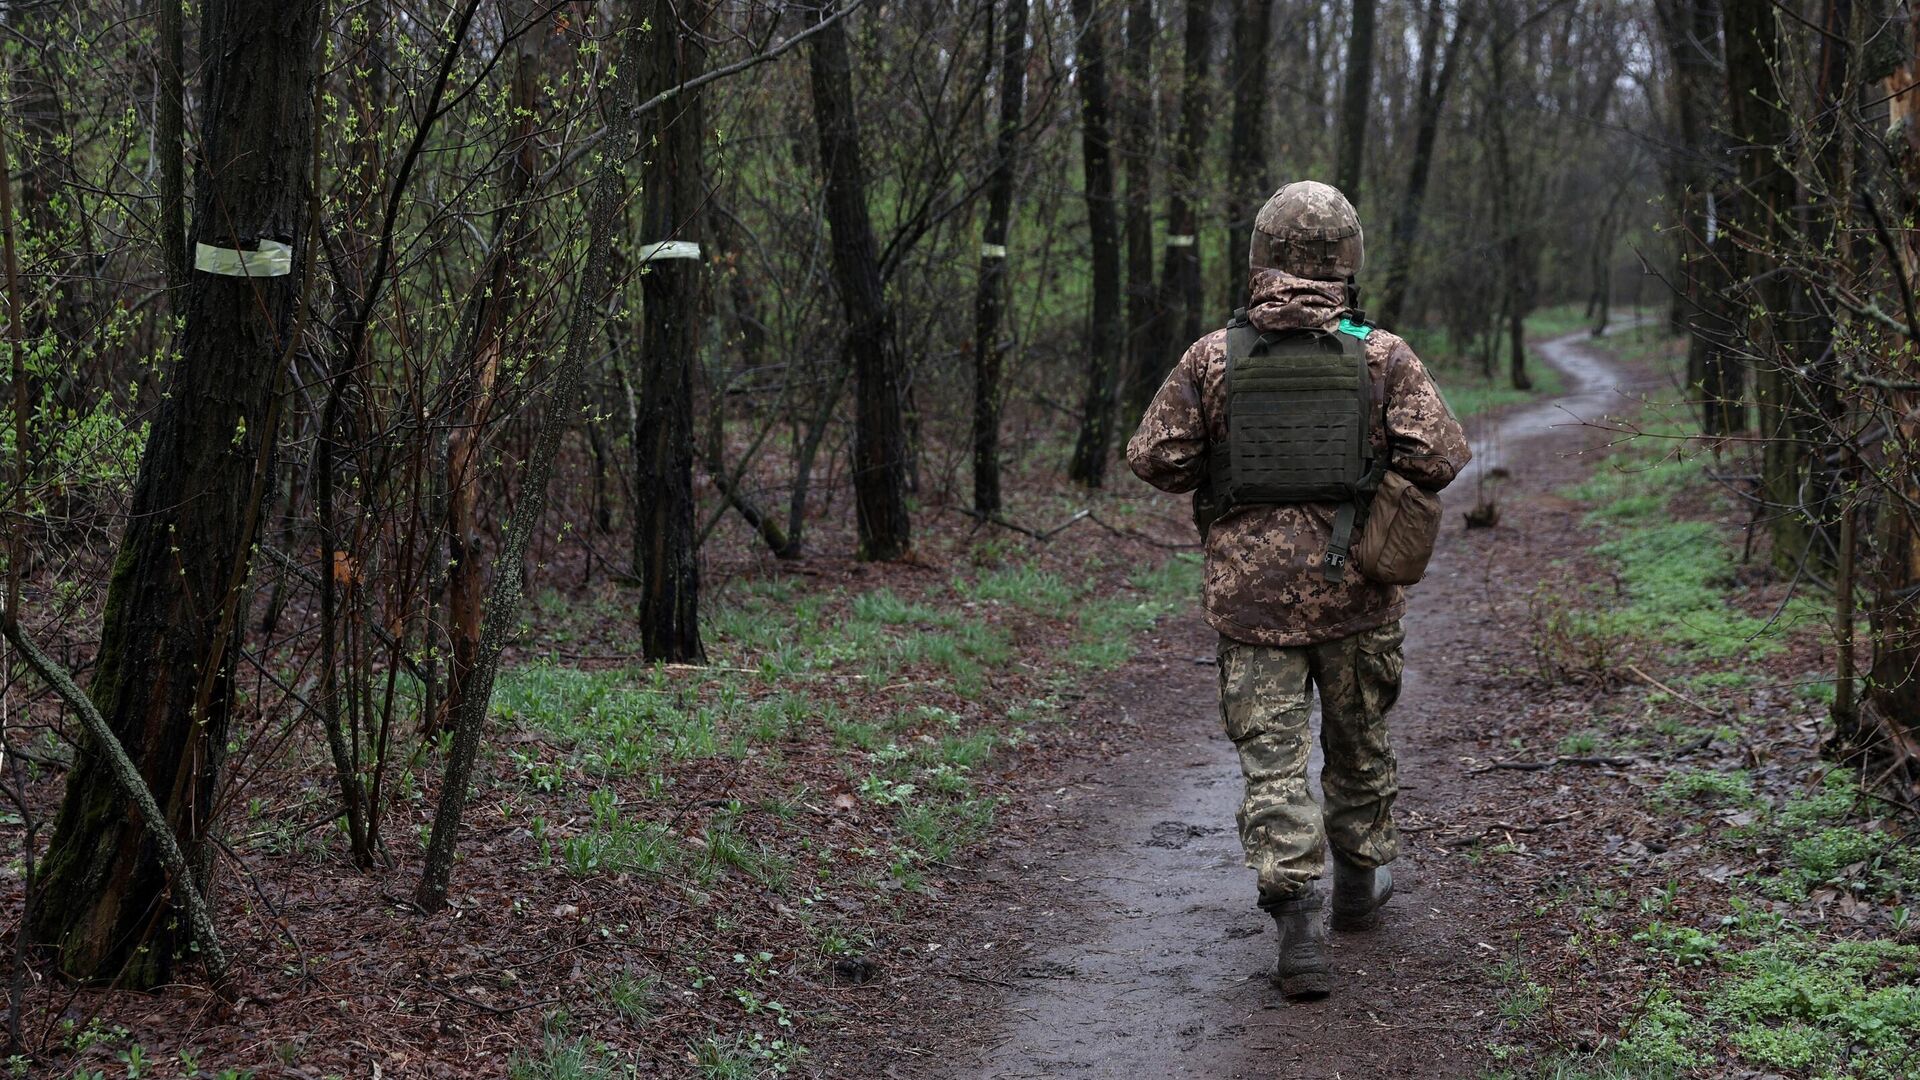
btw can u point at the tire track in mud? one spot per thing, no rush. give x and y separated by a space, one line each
1147 957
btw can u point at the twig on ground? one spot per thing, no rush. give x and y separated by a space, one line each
1717 714
1042 535
1536 766
494 1009
1504 827
1135 534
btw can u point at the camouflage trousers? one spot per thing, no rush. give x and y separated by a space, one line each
1264 700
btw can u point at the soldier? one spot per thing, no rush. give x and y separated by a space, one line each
1290 614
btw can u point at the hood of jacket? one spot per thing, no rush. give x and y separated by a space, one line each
1282 301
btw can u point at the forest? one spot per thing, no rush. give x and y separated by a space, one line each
592 538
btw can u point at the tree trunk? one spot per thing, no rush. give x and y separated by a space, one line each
1517 347
1249 179
1091 449
1760 127
1430 105
1514 301
1136 158
1355 100
176 599
991 297
1892 692
879 437
1690 30
494 292
503 596
666 549
1179 316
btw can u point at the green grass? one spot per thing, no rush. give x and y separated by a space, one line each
725 849
1470 393
633 996
1023 587
1733 788
1752 976
616 844
564 1058
1790 1001
1850 1008
1108 625
1670 577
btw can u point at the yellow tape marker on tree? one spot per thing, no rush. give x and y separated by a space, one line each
274 259
669 249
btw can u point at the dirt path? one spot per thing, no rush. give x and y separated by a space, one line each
1147 958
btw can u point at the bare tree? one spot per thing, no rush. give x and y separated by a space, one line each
1249 173
1355 101
1437 68
1136 146
880 436
1091 449
1179 320
988 353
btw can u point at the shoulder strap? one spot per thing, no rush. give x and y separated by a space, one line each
1333 567
1242 338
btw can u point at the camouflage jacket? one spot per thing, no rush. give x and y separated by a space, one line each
1263 578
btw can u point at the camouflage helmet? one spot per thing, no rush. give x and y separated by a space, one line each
1310 230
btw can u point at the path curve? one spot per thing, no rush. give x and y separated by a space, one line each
1151 959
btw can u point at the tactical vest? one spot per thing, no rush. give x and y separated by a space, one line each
1299 426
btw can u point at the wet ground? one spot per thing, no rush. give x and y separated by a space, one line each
1136 949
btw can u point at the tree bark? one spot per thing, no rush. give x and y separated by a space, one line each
176 598
1095 441
1354 101
1249 179
880 436
988 356
666 549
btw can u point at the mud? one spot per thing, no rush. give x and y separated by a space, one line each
1144 955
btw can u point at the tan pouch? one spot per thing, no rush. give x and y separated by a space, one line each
1401 530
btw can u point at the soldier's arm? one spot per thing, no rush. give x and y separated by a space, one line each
1169 450
1429 446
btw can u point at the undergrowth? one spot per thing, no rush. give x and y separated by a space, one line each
899 695
1796 955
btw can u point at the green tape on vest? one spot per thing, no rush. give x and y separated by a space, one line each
1359 330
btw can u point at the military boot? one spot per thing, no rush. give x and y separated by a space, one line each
1302 973
1358 892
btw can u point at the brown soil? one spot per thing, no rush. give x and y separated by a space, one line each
1123 941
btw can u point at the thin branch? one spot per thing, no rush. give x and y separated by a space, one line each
127 775
590 141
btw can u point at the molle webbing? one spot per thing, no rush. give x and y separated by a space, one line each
1298 411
